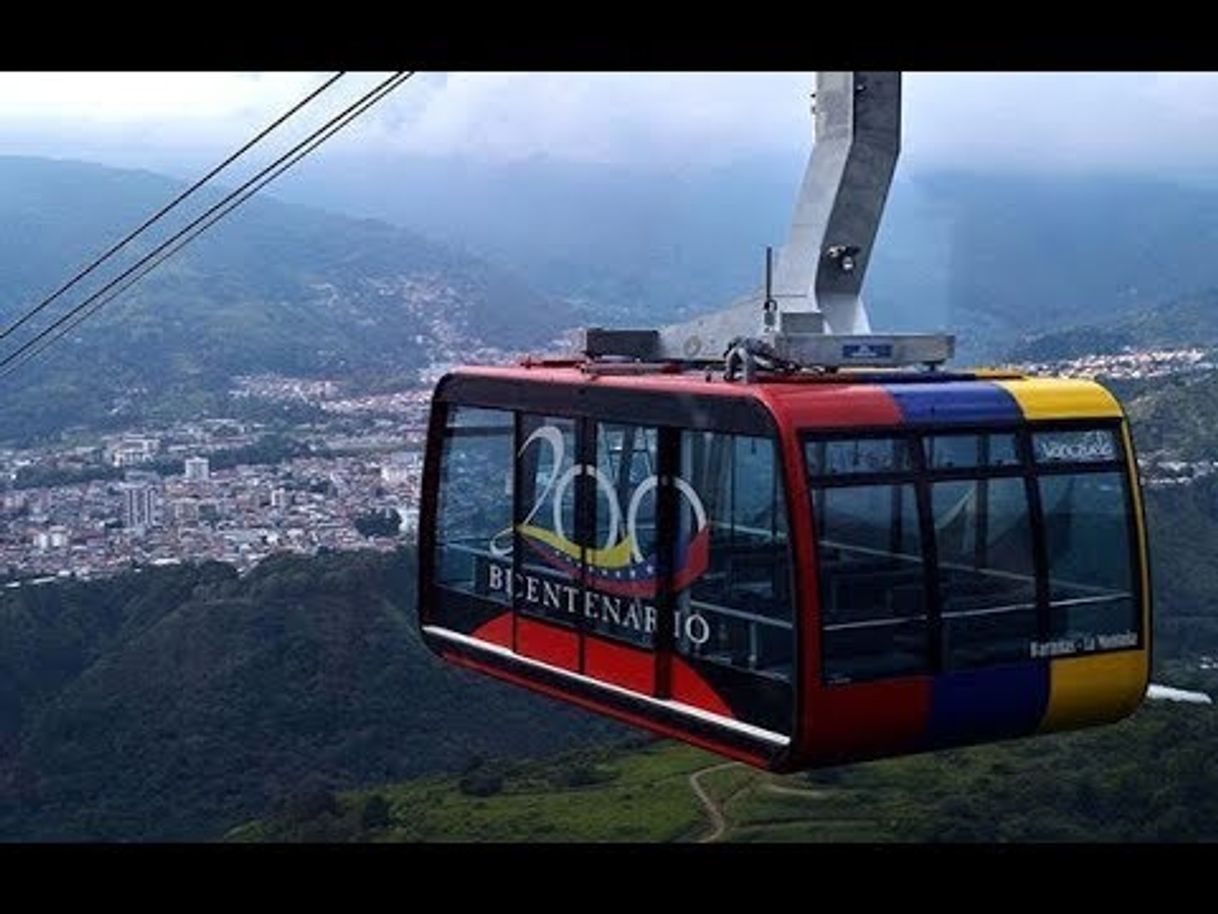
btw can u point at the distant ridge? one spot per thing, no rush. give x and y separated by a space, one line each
990 256
276 287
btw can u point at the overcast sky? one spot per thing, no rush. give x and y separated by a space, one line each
1162 124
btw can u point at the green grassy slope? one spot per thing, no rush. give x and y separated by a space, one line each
1148 778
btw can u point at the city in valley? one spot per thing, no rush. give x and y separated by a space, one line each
217 489
237 491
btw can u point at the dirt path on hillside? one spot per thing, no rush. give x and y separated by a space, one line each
714 811
718 822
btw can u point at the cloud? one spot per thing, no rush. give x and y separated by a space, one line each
94 99
1158 123
1149 122
623 118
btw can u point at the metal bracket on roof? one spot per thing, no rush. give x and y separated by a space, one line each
812 312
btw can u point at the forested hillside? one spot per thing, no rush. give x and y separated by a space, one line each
174 703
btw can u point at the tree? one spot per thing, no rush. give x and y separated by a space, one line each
379 523
308 802
375 813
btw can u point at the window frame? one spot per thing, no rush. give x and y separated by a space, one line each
922 476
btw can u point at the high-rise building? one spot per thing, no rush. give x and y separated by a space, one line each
139 506
197 469
281 499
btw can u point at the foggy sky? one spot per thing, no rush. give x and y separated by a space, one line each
1160 124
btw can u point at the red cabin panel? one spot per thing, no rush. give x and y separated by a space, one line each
548 643
497 631
619 664
691 689
866 720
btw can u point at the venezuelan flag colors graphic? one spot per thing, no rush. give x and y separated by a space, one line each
618 566
620 569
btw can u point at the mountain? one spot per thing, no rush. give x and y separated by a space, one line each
1174 415
625 244
274 287
174 703
531 248
991 257
1186 320
1183 531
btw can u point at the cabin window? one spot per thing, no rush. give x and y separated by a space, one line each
987 574
732 562
732 572
1091 587
550 539
1000 590
624 558
872 582
951 452
858 455
474 517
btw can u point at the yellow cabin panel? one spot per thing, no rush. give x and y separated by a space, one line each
1091 690
1061 398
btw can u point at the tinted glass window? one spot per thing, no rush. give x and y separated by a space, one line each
474 516
989 582
987 577
1092 605
862 455
546 534
873 597
948 452
624 560
732 572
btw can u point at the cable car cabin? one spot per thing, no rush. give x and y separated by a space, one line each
794 572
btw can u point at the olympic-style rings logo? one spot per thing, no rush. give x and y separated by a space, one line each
617 564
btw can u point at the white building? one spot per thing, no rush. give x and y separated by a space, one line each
409 527
197 469
128 456
134 451
400 471
54 538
